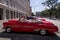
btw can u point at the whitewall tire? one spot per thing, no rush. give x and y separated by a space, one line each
43 32
8 30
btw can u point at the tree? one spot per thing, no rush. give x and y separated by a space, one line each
45 13
51 4
58 10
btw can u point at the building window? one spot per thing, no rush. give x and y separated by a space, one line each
11 3
1 13
11 14
14 14
17 15
7 14
14 5
6 2
0 1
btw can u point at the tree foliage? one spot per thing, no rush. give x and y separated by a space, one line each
52 6
50 3
56 11
45 13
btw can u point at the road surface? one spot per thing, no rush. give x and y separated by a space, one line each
27 36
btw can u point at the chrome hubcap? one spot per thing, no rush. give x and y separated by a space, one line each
43 32
8 30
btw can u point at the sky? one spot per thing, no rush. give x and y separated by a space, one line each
37 5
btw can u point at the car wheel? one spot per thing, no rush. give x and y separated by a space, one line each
8 30
43 32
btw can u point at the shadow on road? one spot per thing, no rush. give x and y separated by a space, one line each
27 36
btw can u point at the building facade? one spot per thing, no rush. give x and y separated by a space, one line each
38 14
11 9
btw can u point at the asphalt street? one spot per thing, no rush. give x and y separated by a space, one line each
28 36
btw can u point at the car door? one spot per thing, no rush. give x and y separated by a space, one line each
29 27
26 26
35 26
18 26
22 26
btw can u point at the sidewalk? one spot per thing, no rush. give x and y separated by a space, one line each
58 19
54 19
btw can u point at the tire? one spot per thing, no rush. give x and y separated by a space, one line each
43 32
8 30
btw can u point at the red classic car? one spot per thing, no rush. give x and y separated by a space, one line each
42 27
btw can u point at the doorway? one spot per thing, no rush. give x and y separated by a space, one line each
1 14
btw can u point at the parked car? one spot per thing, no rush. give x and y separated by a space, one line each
27 25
